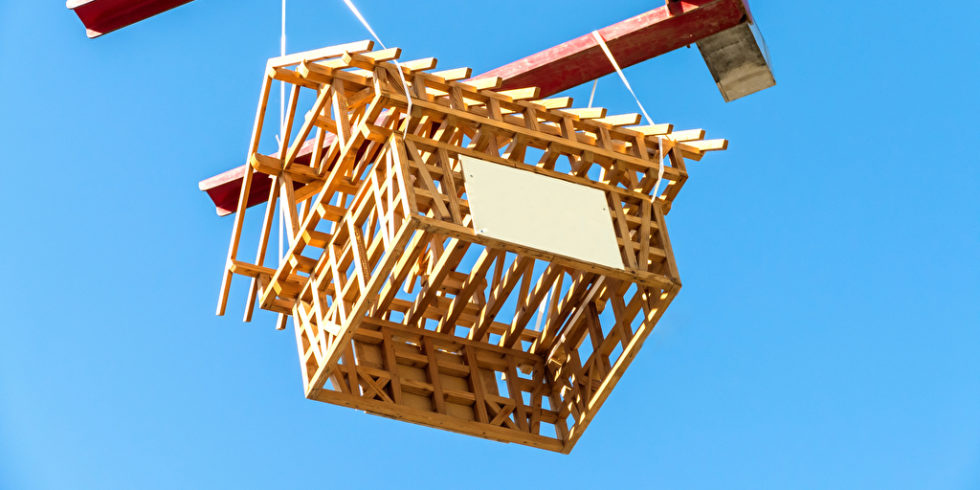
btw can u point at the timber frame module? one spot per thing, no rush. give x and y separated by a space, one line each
400 306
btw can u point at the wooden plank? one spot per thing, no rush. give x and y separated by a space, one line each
320 53
454 74
709 145
526 93
449 181
653 130
391 364
432 369
671 263
401 269
624 233
439 421
366 301
687 135
440 210
624 194
527 310
620 120
587 113
544 138
476 278
645 228
236 232
521 266
555 102
447 262
654 312
436 226
260 253
476 384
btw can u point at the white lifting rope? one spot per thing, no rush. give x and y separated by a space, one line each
401 73
622 76
282 127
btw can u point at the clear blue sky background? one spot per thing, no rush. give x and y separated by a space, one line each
827 335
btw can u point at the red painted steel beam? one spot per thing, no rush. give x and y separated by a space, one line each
104 16
648 35
664 29
224 188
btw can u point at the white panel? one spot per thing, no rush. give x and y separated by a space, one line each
541 212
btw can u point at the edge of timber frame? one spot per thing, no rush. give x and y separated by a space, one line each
389 318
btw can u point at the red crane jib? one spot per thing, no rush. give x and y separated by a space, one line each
104 16
570 64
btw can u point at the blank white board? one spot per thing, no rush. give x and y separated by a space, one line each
540 212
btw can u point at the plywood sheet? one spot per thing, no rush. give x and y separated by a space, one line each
541 212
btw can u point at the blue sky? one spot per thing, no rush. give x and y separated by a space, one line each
826 336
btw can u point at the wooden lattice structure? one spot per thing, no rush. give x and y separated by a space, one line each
400 306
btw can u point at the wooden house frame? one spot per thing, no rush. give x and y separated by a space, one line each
400 306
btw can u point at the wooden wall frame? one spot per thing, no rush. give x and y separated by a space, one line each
399 307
